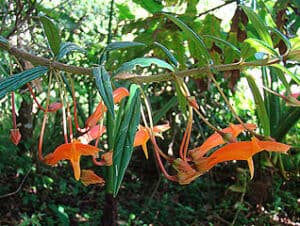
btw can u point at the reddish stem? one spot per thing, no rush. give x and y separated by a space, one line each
34 98
75 113
40 147
160 164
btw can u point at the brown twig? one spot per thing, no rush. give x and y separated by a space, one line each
18 189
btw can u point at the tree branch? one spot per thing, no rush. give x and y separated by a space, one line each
192 73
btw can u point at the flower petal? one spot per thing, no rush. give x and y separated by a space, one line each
62 152
76 168
94 133
119 94
89 177
216 139
96 116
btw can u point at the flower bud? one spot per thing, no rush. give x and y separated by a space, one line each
54 107
15 136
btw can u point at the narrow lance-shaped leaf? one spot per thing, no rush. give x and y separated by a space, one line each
295 77
52 34
68 47
258 25
143 62
3 40
124 138
260 106
15 81
168 53
192 35
261 46
118 46
217 39
104 87
282 37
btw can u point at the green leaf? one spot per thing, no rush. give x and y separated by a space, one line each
261 46
282 37
295 77
117 46
259 26
15 81
104 87
124 12
68 47
260 106
181 98
125 135
168 53
151 6
217 39
143 62
197 39
122 45
287 121
52 34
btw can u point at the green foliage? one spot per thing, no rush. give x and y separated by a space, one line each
124 138
14 82
104 88
52 34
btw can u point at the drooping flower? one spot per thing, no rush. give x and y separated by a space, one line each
72 152
142 136
216 139
88 177
118 95
107 158
15 136
243 150
53 107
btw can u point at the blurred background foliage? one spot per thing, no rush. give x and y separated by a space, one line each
224 196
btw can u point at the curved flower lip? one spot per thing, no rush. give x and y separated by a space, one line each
142 136
118 95
94 133
89 177
72 152
216 139
243 150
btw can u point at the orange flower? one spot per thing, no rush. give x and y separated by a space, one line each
243 150
216 139
89 177
118 95
72 152
94 133
142 136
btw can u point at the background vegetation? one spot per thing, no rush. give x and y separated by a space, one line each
32 193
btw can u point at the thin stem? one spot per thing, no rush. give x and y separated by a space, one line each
40 147
13 109
69 118
65 132
210 75
75 109
160 164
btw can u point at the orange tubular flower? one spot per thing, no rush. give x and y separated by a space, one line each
94 133
89 177
243 150
72 152
118 95
216 139
142 136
